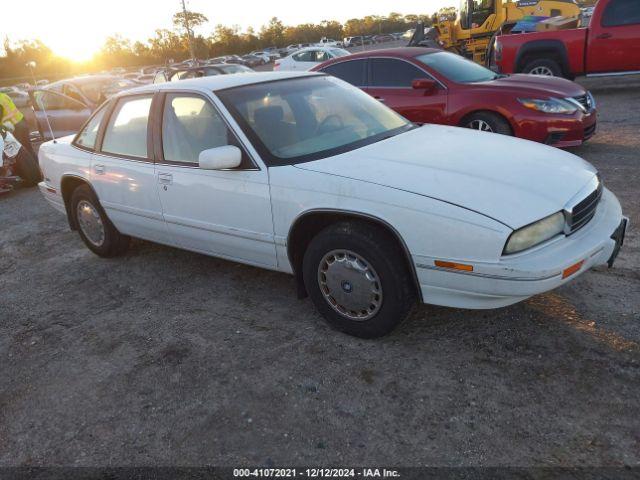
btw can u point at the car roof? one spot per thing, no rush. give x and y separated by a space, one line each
220 82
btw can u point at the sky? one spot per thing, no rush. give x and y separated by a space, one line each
77 28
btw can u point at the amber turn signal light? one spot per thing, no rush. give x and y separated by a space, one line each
567 272
453 265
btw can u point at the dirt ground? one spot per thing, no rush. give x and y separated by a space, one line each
165 357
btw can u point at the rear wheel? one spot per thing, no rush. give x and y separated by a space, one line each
487 122
358 279
95 228
544 67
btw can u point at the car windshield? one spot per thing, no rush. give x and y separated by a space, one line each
302 119
456 68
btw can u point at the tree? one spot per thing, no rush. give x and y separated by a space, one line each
272 34
195 20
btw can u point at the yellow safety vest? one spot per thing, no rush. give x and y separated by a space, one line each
9 110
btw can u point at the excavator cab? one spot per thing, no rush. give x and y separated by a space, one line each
474 13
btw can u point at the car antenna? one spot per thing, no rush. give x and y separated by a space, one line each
31 65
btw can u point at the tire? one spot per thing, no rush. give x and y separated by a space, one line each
545 67
111 242
27 168
487 122
372 251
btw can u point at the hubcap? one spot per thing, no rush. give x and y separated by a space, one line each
90 223
480 125
350 285
546 71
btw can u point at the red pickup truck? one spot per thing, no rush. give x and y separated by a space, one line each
610 45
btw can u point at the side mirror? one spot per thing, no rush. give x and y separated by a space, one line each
220 158
429 86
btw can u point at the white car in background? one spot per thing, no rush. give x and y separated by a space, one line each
308 58
329 42
305 174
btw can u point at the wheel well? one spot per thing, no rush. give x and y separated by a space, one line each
492 112
67 186
309 225
543 50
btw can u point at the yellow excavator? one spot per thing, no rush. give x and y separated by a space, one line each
471 33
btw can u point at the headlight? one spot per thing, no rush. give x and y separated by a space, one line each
592 101
535 233
552 105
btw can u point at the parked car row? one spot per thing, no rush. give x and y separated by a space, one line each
303 173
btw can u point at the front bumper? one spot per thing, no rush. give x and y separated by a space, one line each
517 277
558 131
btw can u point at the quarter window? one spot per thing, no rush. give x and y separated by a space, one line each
387 72
191 125
87 137
126 133
621 12
352 71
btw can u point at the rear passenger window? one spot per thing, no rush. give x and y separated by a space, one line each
387 72
126 133
87 137
352 72
621 12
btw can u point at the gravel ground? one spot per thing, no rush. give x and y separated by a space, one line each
165 357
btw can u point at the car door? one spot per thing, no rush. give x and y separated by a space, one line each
390 81
64 114
613 42
123 171
226 213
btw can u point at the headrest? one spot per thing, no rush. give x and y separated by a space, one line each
266 115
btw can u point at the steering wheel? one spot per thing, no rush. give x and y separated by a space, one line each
326 121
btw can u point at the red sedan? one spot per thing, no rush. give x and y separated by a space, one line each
433 86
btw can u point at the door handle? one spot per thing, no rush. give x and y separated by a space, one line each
165 178
604 36
99 169
380 99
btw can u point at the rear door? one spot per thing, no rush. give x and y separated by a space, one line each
123 170
613 41
390 81
64 114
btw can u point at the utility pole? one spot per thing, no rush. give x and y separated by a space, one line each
189 35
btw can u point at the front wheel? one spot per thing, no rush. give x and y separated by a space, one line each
487 122
357 277
95 228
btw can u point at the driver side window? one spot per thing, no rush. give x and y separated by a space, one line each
190 125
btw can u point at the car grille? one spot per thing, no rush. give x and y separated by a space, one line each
584 211
585 101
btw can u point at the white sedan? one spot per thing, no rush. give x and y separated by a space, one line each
305 174
308 58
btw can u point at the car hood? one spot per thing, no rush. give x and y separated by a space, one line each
513 181
541 85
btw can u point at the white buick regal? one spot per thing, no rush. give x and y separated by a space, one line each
305 174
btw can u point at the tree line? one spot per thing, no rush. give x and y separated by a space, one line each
167 45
